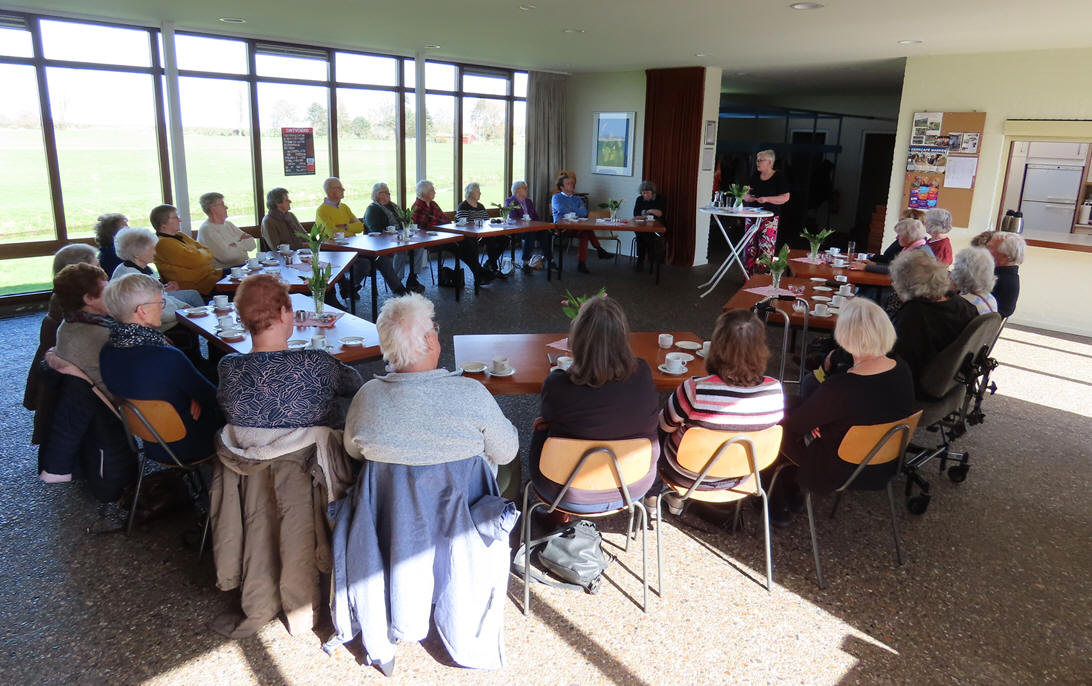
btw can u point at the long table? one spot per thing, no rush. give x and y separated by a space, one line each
745 300
803 269
373 245
634 225
526 352
490 230
339 262
346 325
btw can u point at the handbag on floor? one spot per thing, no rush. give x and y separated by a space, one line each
450 278
573 553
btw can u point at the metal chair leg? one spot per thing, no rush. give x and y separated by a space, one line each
644 554
136 495
834 507
814 540
766 527
899 555
526 551
659 551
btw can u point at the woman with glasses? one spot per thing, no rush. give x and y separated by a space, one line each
768 190
139 363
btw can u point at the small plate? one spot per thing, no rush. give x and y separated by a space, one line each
510 372
817 279
223 310
297 344
665 370
352 341
341 241
473 367
688 345
232 335
192 312
820 298
271 263
821 316
681 357
822 289
432 233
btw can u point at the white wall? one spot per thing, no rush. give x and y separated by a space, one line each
1012 85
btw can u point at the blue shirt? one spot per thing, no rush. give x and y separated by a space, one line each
563 204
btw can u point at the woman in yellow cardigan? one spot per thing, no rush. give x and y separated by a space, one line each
179 257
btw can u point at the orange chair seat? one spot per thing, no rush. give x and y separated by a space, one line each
728 495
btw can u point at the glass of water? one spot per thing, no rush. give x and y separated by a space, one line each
851 250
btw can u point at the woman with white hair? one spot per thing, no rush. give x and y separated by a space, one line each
929 318
938 222
1007 250
136 249
139 363
770 191
909 235
525 209
972 274
382 213
427 213
875 390
464 420
471 209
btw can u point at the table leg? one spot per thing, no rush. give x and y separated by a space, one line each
735 251
375 291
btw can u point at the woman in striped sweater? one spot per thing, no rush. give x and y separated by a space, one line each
737 396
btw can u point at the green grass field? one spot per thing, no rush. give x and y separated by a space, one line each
117 171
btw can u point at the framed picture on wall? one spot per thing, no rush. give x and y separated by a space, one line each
710 133
613 143
707 156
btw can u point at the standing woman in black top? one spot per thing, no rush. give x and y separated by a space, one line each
647 203
768 190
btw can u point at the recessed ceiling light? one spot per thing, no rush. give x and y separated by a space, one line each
741 73
573 31
430 46
232 20
910 42
700 54
807 5
528 6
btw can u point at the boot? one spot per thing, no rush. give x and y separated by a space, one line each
582 267
412 284
603 254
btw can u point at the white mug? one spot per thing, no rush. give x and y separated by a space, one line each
221 301
564 362
253 263
821 309
236 272
500 365
674 365
840 264
838 300
338 236
665 340
845 289
225 322
570 215
833 250
284 247
705 348
841 278
862 256
318 342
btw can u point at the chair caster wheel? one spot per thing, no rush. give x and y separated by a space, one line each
918 504
958 474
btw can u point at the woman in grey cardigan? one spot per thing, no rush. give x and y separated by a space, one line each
136 248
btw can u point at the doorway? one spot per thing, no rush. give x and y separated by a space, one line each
876 159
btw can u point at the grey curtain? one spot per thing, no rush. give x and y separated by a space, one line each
545 136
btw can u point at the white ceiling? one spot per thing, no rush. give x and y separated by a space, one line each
763 45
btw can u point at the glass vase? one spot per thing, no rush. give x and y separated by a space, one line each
814 254
320 301
775 278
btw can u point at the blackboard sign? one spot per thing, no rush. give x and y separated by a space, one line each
299 151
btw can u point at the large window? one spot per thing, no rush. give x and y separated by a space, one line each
107 145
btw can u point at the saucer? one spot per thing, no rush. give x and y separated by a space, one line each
271 263
232 335
824 289
688 345
297 344
375 233
341 241
510 372
223 310
555 368
820 298
665 370
821 316
473 367
352 341
817 279
196 311
681 357
432 233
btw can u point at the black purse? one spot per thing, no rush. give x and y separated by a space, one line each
574 554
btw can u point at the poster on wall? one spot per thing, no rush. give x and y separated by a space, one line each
927 158
926 129
969 144
924 189
955 141
613 143
298 147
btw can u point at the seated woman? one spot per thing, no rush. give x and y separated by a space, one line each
566 205
736 396
279 225
909 235
938 222
180 258
138 363
471 209
105 229
972 275
136 248
525 209
272 386
464 420
1007 250
648 203
877 389
929 318
383 213
606 394
426 213
86 325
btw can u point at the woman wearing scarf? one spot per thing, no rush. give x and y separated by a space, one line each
138 363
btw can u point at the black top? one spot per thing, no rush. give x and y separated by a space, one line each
925 328
777 184
467 211
657 203
146 269
843 401
1007 288
108 258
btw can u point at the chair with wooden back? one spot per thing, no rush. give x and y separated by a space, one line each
717 456
156 421
593 467
869 445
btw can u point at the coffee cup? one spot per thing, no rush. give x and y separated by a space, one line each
564 362
318 342
674 365
845 289
220 301
833 250
340 235
840 263
236 272
821 309
253 263
665 340
838 300
570 215
862 256
225 322
500 365
841 278
705 348
284 247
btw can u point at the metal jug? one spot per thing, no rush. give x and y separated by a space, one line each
1017 223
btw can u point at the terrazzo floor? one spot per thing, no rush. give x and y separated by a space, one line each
996 588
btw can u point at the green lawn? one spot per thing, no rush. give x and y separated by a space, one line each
104 170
